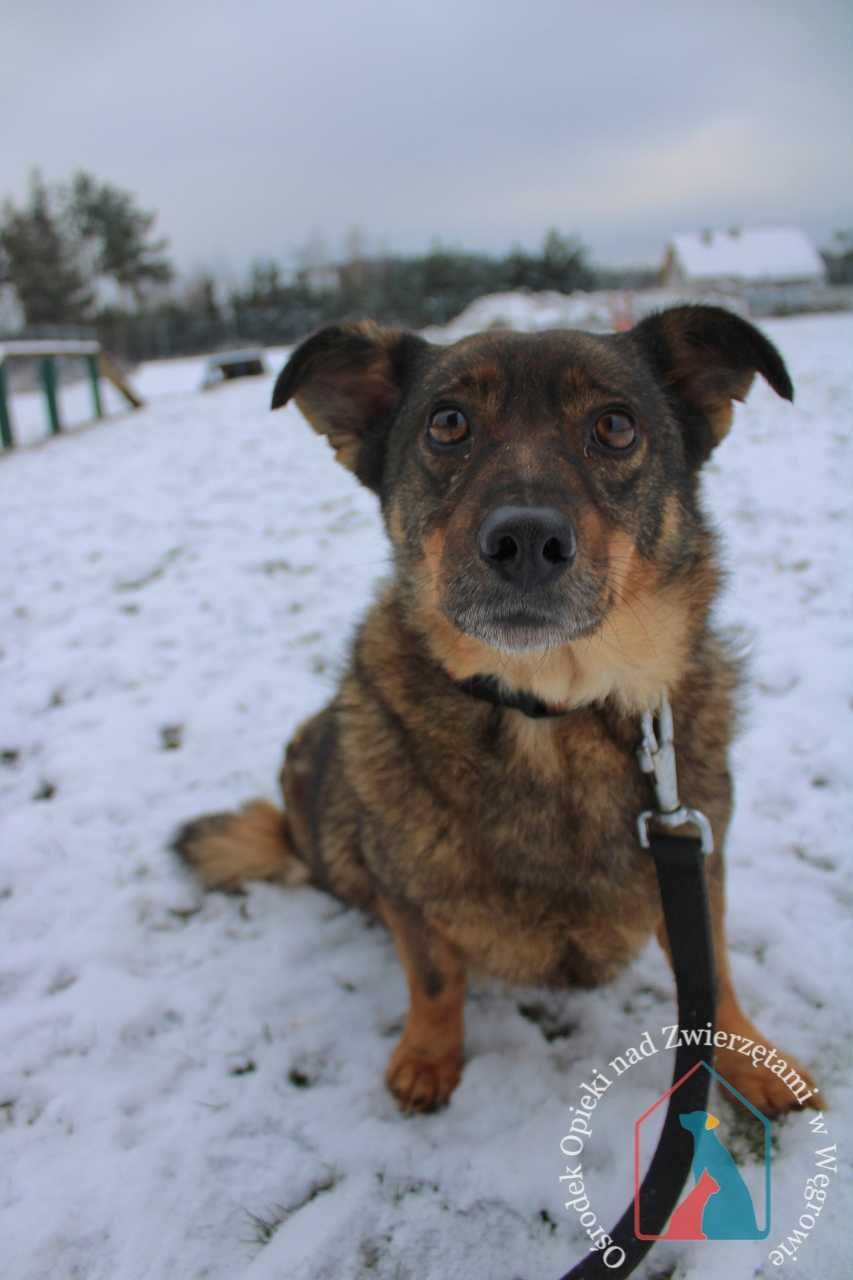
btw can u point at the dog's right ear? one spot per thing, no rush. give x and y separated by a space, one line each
348 381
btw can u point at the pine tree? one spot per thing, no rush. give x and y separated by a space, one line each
116 232
38 258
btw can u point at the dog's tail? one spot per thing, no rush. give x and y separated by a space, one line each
227 849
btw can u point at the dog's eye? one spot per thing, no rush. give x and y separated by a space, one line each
615 431
448 427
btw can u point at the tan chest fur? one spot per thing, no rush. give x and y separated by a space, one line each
514 838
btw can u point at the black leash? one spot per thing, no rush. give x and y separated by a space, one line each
681 878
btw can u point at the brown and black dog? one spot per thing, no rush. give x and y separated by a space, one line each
474 782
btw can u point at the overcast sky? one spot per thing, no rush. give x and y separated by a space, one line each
257 128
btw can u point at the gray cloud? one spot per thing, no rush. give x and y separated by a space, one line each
252 129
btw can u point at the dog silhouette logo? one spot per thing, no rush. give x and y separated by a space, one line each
718 1205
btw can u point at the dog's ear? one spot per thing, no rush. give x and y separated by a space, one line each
706 357
348 381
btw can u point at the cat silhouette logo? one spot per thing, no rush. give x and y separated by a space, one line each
718 1205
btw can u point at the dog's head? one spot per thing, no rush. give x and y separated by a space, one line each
535 487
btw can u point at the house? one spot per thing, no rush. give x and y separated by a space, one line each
768 268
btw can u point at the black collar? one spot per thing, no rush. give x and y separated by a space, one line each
488 689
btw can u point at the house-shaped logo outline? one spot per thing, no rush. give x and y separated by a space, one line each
664 1097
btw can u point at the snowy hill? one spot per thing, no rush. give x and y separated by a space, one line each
192 1086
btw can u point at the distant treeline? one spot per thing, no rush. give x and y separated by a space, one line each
413 291
71 246
82 253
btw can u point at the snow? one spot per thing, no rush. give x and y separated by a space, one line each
780 254
192 1086
528 311
600 311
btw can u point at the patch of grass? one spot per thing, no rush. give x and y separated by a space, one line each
171 737
415 1187
371 1252
265 1225
63 980
819 860
549 1021
284 566
136 584
182 913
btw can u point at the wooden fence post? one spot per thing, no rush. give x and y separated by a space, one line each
111 371
98 365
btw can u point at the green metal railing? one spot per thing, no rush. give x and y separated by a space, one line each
6 437
47 352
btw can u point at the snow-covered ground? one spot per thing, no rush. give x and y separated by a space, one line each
192 1086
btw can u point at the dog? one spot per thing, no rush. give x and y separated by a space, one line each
474 783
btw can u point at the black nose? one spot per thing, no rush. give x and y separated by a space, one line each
527 546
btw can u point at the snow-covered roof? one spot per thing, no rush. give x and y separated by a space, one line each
768 253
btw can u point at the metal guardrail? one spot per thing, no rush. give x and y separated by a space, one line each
48 347
47 351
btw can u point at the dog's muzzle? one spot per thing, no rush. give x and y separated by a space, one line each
527 547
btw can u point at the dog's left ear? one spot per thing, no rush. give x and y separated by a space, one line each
707 357
348 381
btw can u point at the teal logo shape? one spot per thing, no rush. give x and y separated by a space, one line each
719 1204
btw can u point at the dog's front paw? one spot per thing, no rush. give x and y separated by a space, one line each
772 1094
418 1080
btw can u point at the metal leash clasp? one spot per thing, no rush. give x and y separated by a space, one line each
656 754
